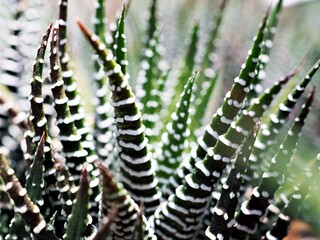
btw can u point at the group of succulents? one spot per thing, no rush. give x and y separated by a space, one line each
144 164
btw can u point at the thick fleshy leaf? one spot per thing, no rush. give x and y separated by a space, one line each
23 205
106 225
188 65
271 29
104 134
262 196
207 74
35 182
74 153
75 105
138 171
186 206
114 195
100 19
224 211
266 138
232 104
120 49
71 88
34 187
76 225
40 126
174 140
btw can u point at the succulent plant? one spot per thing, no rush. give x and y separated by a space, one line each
127 170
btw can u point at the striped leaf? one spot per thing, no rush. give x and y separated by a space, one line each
263 195
120 49
114 195
71 141
34 186
105 225
103 130
76 225
224 210
280 228
23 205
76 108
232 104
174 140
138 173
99 19
271 29
266 138
185 208
40 126
188 65
71 88
207 75
147 87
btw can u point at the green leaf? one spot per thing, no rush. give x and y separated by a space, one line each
195 192
207 74
263 195
224 211
23 205
138 172
35 184
120 49
76 225
174 140
40 126
266 138
271 29
100 19
202 102
114 195
188 65
71 87
71 141
232 104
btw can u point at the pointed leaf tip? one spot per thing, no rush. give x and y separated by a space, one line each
83 28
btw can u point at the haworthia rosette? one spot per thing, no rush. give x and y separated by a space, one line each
138 171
